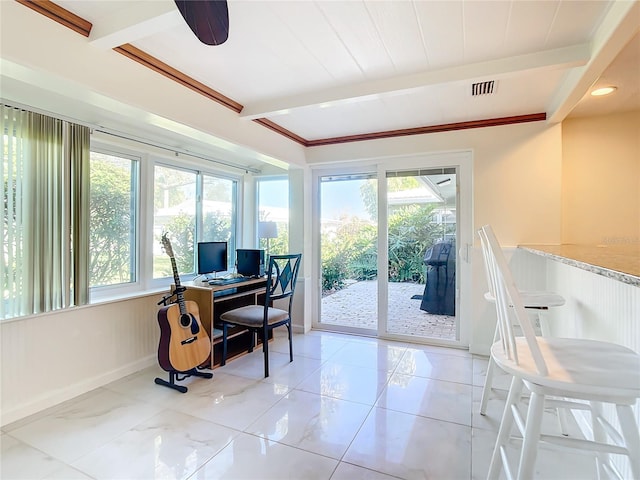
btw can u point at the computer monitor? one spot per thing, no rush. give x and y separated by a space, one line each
212 257
250 263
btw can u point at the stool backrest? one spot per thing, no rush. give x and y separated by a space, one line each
485 255
509 304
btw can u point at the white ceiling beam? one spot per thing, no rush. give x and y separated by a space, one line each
567 57
620 25
134 21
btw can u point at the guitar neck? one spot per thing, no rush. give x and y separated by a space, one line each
176 280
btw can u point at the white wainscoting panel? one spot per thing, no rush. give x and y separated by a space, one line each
49 358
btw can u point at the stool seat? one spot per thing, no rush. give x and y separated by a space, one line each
535 299
576 365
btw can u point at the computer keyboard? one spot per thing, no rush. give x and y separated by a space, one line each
226 281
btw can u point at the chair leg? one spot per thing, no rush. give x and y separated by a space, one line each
486 390
265 349
505 428
253 341
290 342
631 437
224 345
531 436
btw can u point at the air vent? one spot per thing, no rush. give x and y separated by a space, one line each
482 88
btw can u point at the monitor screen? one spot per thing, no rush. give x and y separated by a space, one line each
250 263
212 257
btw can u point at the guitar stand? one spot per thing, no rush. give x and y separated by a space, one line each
174 374
179 376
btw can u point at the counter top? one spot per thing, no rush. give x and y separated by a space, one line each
619 262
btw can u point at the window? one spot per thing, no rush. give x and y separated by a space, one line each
174 213
273 206
113 220
84 223
218 212
190 207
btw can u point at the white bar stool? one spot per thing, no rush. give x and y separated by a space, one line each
535 302
587 373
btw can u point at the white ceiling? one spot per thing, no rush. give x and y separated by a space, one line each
324 69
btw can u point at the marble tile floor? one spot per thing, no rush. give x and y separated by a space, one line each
347 408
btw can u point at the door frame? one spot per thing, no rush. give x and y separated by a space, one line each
341 170
462 160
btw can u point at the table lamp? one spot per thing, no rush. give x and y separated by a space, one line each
267 230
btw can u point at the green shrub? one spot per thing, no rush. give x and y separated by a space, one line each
411 233
351 252
333 275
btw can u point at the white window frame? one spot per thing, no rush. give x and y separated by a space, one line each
148 159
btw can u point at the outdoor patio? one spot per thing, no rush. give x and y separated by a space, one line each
356 306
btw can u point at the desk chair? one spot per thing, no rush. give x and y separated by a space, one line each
585 373
534 302
261 319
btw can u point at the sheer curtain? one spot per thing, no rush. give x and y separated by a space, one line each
45 191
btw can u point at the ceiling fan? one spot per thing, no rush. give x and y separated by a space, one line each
207 19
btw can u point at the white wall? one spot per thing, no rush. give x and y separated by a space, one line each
299 242
49 358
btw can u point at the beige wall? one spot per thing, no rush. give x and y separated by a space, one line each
601 179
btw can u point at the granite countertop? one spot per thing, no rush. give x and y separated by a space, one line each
619 262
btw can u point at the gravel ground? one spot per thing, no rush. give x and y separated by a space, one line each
356 306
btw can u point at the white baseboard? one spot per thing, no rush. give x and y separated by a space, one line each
71 391
480 349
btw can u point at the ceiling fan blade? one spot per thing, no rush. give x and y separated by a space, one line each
208 19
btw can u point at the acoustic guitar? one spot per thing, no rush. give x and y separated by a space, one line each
184 344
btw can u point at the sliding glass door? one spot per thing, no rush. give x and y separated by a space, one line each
393 249
348 253
421 248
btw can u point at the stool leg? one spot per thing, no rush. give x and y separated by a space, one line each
488 379
531 436
486 390
599 435
562 420
563 414
505 428
631 436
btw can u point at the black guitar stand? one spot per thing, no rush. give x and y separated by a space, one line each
179 376
174 374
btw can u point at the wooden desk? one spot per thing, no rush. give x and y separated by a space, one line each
213 301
